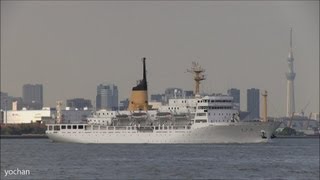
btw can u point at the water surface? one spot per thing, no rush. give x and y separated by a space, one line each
281 159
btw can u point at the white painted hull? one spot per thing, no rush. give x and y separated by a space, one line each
244 132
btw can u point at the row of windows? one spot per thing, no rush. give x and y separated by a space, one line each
173 108
221 121
57 128
221 114
97 121
204 120
71 127
208 101
201 114
215 107
201 121
181 101
102 114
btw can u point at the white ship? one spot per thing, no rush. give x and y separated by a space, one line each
209 119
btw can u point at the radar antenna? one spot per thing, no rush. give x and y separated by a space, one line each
59 117
197 70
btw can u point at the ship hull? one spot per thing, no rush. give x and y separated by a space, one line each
206 133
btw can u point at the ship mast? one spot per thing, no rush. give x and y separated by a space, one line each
59 113
197 70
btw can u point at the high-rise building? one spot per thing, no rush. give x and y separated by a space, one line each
290 81
253 103
188 94
157 97
172 93
4 101
32 95
7 102
235 93
124 104
79 103
107 97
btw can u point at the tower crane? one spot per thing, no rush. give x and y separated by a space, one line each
304 108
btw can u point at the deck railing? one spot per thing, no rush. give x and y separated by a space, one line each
87 127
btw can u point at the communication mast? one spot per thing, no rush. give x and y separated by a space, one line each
290 81
59 113
197 70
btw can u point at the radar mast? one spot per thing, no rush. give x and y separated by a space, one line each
197 71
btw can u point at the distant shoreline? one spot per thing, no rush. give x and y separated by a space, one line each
310 136
24 136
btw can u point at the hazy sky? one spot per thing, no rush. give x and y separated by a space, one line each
72 46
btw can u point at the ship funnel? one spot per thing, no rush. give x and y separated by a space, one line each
144 72
139 94
143 83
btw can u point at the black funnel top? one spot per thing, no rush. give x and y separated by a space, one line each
143 83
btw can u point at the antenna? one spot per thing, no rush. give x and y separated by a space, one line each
197 70
290 38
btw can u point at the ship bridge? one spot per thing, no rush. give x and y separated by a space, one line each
215 109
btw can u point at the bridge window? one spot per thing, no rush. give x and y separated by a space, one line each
63 127
80 126
74 127
201 121
69 127
201 114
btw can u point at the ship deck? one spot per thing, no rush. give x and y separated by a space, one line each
85 128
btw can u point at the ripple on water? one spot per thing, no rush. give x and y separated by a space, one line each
282 159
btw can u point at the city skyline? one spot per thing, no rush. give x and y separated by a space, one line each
240 47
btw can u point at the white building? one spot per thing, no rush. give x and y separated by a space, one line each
315 116
45 115
155 105
27 116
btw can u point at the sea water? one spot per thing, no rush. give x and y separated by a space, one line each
291 158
